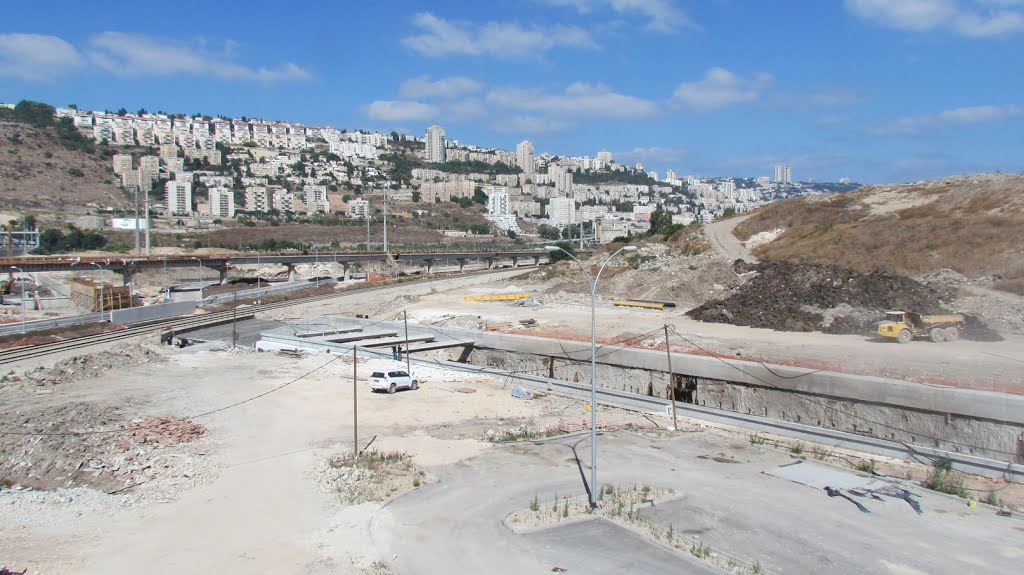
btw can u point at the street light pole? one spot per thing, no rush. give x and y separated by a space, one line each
24 312
592 283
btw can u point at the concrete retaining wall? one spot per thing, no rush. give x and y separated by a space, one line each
151 312
983 423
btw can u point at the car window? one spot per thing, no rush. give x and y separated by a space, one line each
377 374
397 374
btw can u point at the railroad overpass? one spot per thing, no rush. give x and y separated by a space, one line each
127 266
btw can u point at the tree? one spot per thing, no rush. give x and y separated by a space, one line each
416 196
35 113
661 221
549 232
559 255
479 196
122 112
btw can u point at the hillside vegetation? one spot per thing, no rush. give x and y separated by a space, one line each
971 224
42 169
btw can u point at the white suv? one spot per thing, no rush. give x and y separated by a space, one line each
392 381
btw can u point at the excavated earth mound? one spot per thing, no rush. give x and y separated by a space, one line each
811 297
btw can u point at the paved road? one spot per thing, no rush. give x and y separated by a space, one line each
720 236
455 525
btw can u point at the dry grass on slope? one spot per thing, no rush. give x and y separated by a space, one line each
971 224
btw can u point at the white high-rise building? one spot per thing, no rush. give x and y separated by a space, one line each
435 144
222 203
605 157
562 211
563 183
524 157
787 174
178 194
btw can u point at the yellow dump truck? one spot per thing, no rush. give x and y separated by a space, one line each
904 326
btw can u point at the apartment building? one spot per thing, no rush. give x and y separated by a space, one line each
222 203
257 199
435 150
122 164
359 208
562 211
178 197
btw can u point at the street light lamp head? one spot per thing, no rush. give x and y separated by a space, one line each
629 249
552 248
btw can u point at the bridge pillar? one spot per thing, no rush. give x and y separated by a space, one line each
515 262
223 271
490 262
536 261
462 263
291 272
347 275
430 265
126 276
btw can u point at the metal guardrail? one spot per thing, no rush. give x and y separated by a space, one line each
57 322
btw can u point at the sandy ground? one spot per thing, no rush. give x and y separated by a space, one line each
257 499
977 365
264 509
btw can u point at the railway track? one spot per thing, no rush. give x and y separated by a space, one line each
14 355
758 424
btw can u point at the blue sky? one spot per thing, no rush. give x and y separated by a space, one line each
873 90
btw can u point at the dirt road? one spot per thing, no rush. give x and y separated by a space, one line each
720 236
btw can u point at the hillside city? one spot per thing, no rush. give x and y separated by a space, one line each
201 170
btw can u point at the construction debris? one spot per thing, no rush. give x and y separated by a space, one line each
93 365
82 444
810 297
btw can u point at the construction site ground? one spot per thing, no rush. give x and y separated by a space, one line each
233 461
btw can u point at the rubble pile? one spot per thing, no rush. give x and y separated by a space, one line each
811 297
373 476
83 445
164 430
93 365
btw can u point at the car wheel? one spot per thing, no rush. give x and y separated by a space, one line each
937 335
952 334
415 385
905 336
393 388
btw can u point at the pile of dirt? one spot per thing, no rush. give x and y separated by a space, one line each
811 297
84 444
93 365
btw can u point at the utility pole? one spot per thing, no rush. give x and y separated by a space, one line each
405 319
149 251
234 322
385 220
355 403
671 382
367 228
135 193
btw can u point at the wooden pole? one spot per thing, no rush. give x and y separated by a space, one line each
234 321
355 403
671 383
405 319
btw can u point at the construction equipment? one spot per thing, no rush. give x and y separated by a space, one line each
904 326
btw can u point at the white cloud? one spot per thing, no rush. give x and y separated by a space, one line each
464 110
718 89
973 18
955 117
500 39
136 55
653 155
528 125
579 99
35 57
662 15
401 111
451 87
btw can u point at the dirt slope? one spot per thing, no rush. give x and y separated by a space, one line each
972 224
38 173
